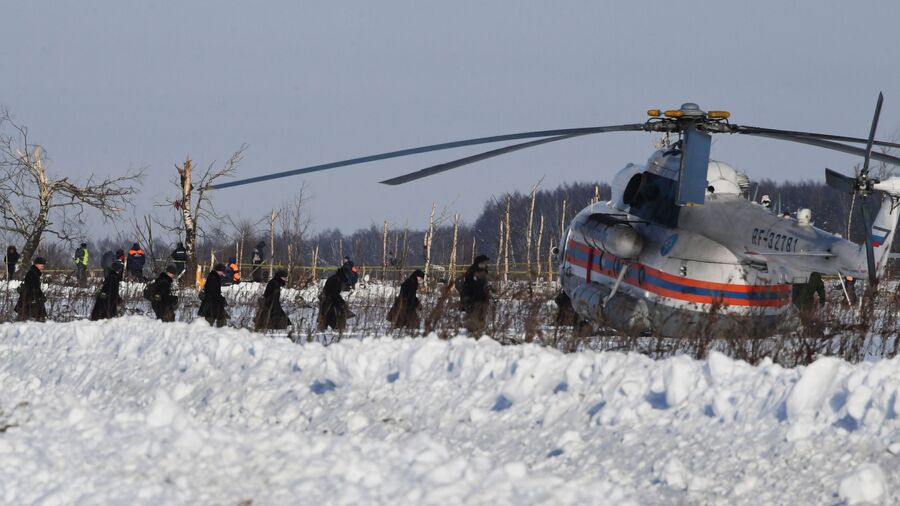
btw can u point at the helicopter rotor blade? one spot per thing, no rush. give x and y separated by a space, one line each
437 169
870 249
835 146
634 127
864 174
812 135
840 182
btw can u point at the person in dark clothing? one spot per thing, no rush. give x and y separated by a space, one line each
12 258
405 311
120 255
270 314
256 271
107 302
333 310
351 272
31 298
565 314
81 264
850 285
179 257
213 306
107 259
136 261
804 293
163 302
475 295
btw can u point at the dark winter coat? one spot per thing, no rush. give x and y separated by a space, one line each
333 307
136 261
213 306
404 312
804 294
270 314
179 257
475 288
31 298
164 303
106 305
12 258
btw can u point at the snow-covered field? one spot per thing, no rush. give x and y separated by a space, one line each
134 411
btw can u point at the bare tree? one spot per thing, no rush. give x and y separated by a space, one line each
194 205
294 221
33 203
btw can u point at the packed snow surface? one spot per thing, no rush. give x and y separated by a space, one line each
134 411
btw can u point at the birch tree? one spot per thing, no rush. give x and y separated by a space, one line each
34 203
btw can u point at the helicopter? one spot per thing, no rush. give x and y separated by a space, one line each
680 238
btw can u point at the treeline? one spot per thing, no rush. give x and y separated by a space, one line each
403 247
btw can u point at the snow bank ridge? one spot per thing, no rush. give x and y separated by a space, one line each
223 393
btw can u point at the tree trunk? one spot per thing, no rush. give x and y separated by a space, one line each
506 244
452 262
384 242
429 238
529 233
272 245
540 242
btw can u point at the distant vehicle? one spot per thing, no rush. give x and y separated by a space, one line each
681 239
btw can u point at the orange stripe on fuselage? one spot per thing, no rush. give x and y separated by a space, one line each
781 290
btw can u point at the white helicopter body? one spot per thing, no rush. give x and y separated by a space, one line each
730 262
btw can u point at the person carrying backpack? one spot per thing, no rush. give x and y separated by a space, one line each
213 303
159 292
106 305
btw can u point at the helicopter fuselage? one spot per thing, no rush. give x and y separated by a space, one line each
639 263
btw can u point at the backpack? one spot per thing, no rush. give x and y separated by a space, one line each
150 291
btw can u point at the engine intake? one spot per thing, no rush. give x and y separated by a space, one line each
618 239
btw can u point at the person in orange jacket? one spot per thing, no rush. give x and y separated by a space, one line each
232 272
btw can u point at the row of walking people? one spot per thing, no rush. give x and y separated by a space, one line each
135 260
473 288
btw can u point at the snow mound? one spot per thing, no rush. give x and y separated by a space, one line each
134 411
865 484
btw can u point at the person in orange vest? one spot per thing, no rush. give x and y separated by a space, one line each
232 272
136 261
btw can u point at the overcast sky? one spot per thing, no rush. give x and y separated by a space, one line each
110 85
